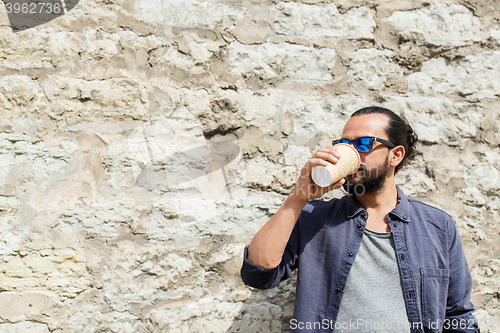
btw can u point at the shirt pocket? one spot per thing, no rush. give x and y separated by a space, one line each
434 294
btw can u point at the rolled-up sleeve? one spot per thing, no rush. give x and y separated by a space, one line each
258 277
262 278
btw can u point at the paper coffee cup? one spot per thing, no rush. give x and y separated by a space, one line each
347 164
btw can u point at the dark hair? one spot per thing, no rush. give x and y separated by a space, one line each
398 131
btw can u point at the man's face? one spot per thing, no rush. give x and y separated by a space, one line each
372 173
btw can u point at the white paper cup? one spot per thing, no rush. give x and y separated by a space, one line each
347 165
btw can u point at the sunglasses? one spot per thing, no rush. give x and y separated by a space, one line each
365 143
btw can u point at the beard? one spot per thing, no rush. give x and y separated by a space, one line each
371 180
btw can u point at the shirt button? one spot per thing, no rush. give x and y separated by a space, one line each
402 257
339 288
364 214
360 225
351 254
405 217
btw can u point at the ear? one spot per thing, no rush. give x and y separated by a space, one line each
396 156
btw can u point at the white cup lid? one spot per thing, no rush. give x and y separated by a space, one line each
321 176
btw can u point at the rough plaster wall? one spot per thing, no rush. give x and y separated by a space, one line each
101 230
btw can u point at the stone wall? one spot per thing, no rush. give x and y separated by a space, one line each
144 142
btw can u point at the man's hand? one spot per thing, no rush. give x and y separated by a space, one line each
305 189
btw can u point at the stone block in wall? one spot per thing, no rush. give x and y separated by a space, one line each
258 317
121 165
207 315
114 321
297 156
495 35
472 196
21 97
316 123
200 44
485 176
24 327
253 29
415 183
373 69
27 308
245 215
435 119
442 25
260 172
119 98
38 50
31 164
258 110
322 21
179 219
60 271
12 233
136 275
474 76
167 58
189 14
282 61
113 54
100 220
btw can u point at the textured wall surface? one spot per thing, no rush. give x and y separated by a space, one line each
144 142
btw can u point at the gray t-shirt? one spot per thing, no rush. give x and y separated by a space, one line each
373 295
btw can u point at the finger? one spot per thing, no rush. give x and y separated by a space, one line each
333 150
314 162
337 185
331 156
330 149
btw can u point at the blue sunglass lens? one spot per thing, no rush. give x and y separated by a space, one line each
341 141
364 145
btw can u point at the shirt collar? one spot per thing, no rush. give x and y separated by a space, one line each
401 211
352 207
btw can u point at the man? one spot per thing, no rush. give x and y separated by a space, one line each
374 260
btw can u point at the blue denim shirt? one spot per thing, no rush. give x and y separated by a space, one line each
435 277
